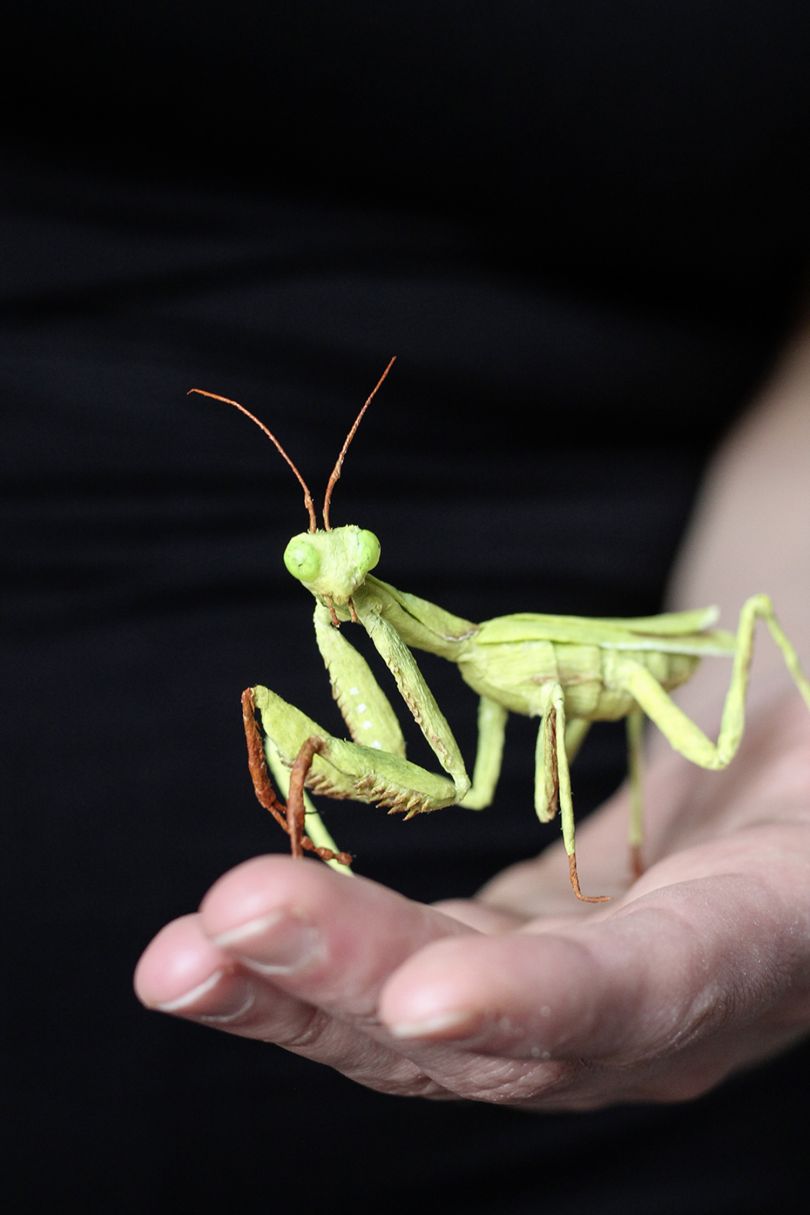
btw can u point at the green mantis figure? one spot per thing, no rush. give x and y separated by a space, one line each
567 671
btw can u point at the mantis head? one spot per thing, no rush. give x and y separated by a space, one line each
330 562
333 564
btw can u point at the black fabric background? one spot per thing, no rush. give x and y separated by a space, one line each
582 229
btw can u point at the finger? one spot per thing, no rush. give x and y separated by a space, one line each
478 916
180 969
183 974
633 985
328 939
186 973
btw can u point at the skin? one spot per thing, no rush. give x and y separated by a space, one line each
524 996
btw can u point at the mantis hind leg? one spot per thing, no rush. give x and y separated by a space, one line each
680 731
552 785
635 739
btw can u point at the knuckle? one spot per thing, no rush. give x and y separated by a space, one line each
306 1033
513 1083
407 1082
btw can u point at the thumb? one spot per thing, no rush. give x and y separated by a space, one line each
626 986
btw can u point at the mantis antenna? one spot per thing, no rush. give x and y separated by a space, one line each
308 503
339 462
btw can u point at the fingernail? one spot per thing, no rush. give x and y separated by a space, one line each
439 1024
233 1001
279 943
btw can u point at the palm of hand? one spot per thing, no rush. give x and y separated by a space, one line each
523 996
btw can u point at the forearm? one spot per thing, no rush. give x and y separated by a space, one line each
751 527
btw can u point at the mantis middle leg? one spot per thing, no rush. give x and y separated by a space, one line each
552 785
489 754
488 758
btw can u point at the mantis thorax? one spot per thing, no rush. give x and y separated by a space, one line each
332 563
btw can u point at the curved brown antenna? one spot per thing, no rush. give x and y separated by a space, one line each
327 498
313 523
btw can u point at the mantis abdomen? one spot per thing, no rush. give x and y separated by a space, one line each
518 674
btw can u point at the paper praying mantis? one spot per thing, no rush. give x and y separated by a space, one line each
566 671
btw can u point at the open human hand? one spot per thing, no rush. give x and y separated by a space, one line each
524 996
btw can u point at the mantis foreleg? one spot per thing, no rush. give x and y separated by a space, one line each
363 705
261 756
373 767
343 769
418 697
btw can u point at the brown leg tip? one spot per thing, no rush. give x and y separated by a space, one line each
636 861
295 796
326 854
574 879
257 765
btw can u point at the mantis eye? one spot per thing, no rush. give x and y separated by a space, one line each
302 560
368 550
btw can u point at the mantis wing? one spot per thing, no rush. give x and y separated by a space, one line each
671 632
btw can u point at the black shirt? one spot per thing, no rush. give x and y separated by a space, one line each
582 229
